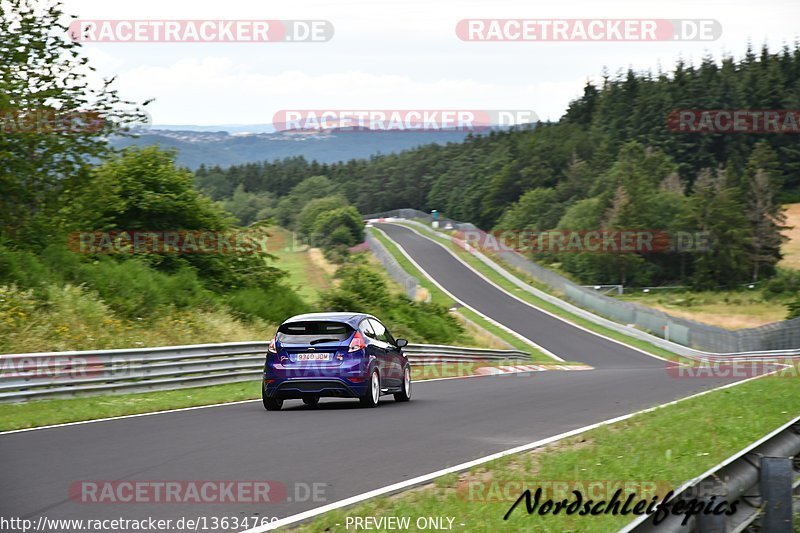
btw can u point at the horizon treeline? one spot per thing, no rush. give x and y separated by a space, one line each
610 162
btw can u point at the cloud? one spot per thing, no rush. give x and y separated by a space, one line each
400 54
216 90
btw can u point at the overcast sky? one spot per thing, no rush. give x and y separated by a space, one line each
400 55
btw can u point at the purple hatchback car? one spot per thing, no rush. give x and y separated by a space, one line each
341 355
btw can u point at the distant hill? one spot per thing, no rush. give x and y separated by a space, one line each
198 146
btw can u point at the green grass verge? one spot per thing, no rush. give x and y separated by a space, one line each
58 411
304 276
732 309
437 296
547 306
643 449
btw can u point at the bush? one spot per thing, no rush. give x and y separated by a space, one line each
785 282
794 309
16 307
337 254
134 290
274 304
423 322
23 269
338 227
143 189
59 259
132 287
73 318
129 286
62 318
363 290
313 210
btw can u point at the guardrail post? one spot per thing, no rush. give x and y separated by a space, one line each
711 523
710 492
775 482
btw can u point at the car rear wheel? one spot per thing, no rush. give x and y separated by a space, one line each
311 400
405 394
373 393
270 404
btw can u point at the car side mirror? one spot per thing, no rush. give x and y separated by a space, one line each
401 342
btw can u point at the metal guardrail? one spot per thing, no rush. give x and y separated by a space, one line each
420 353
65 374
761 478
669 345
409 283
702 337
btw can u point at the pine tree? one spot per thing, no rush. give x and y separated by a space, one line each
766 220
714 210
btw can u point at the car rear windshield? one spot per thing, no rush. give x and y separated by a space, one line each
314 330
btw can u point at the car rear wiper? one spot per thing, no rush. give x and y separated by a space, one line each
317 341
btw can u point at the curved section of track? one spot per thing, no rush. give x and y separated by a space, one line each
346 449
560 337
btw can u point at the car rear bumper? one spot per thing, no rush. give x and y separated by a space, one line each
296 388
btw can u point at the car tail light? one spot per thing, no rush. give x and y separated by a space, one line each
357 343
271 348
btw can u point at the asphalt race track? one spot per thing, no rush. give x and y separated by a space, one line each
564 340
347 449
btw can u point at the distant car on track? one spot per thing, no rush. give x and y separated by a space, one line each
340 355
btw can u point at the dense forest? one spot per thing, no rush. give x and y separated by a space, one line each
610 162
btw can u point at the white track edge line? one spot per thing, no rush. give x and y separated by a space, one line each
120 417
529 304
179 409
702 359
475 462
505 328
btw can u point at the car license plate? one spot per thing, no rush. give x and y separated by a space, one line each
313 357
